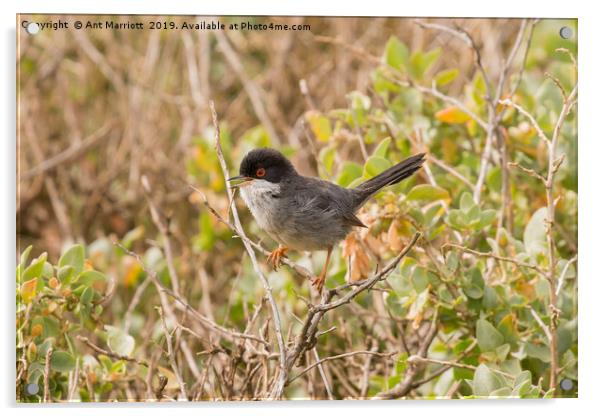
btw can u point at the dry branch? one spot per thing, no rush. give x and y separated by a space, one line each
277 391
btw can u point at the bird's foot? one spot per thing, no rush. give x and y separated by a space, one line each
318 282
275 257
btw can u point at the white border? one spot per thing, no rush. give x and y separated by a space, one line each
590 184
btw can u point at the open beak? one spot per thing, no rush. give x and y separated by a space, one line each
239 180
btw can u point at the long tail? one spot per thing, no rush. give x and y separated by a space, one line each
393 175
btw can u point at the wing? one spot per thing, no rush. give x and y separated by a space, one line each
353 220
330 200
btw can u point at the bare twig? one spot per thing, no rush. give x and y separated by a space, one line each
252 90
543 326
307 337
528 171
323 374
48 357
156 217
553 165
75 150
405 386
493 256
277 391
171 356
565 269
203 320
108 353
336 357
415 359
531 119
451 171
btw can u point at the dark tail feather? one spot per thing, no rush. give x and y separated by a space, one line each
393 175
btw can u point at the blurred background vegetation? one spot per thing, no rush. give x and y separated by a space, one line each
99 110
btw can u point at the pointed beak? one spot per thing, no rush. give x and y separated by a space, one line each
239 180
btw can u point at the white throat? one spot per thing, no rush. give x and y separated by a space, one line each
261 197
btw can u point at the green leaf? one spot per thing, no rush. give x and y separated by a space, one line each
396 54
507 328
446 76
522 377
426 192
466 202
74 257
541 352
457 219
35 268
65 274
488 337
382 148
62 361
375 165
503 392
349 172
485 381
486 218
420 62
89 277
326 157
535 233
502 351
24 257
87 296
320 126
131 236
119 341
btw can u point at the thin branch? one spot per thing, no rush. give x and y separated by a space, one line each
563 274
405 386
415 359
171 355
336 357
451 171
531 119
277 391
451 100
75 150
47 398
323 374
445 367
367 284
543 326
108 353
528 171
307 336
252 90
493 256
156 217
203 320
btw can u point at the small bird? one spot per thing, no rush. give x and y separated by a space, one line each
305 213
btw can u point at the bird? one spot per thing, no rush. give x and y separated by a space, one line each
306 213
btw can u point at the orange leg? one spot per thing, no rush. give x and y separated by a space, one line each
275 257
318 282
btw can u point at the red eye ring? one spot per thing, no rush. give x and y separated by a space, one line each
260 173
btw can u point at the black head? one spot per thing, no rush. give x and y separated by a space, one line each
267 164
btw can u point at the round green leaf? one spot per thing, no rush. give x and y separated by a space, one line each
74 256
427 193
488 337
62 361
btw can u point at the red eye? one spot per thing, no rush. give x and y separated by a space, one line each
260 173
